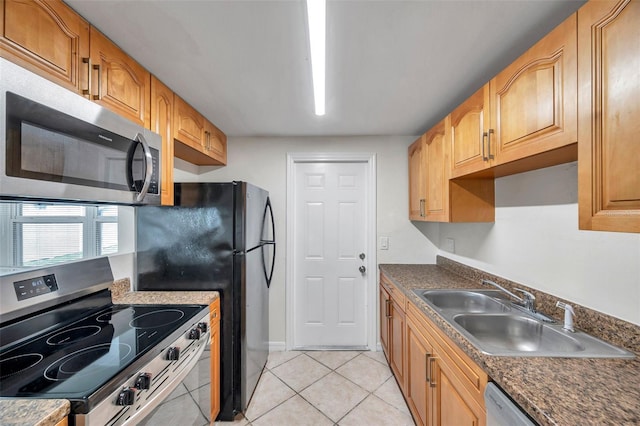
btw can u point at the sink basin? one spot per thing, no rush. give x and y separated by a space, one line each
517 333
465 301
496 326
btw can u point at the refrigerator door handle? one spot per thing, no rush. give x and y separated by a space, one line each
272 242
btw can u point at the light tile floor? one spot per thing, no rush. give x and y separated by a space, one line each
315 388
331 388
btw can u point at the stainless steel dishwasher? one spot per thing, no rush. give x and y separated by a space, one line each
501 411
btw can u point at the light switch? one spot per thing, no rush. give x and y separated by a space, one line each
384 243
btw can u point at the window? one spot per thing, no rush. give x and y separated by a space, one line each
47 234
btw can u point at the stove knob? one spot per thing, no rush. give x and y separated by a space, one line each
173 353
127 396
143 381
203 327
194 334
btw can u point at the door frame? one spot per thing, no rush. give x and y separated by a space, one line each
370 230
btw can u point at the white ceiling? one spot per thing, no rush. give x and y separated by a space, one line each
394 67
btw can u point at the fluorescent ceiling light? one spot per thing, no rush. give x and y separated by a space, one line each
316 19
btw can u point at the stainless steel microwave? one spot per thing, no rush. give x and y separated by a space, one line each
59 146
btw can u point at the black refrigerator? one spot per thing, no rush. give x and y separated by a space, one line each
217 236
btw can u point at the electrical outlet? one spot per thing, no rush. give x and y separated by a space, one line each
384 243
449 245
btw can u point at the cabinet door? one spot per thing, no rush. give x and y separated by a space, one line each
437 173
417 181
161 120
118 82
214 321
215 144
188 126
384 320
609 123
215 371
469 124
534 100
450 407
63 422
417 390
397 342
48 38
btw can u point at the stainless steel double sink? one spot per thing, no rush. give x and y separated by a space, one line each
496 326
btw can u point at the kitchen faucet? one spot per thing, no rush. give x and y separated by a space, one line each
528 300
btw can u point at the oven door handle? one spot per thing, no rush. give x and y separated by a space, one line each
148 167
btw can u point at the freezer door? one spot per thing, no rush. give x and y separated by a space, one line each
256 324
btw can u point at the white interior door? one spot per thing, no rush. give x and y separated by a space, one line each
329 250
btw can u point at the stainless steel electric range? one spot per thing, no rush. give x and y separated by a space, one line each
62 338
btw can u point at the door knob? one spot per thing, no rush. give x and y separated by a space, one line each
362 256
362 269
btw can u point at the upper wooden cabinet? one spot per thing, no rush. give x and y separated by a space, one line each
469 127
48 38
161 123
196 139
609 122
215 143
188 125
118 82
534 100
436 155
433 196
525 118
417 181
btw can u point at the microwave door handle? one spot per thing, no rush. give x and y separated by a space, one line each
148 167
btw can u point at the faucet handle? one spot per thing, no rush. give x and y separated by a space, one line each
529 299
568 315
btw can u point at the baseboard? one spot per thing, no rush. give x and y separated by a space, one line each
277 346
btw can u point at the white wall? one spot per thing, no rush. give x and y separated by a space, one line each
535 241
262 161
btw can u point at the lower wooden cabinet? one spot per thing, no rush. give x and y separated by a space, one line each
214 323
441 384
63 422
444 386
418 390
392 326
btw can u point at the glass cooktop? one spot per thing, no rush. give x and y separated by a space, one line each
74 358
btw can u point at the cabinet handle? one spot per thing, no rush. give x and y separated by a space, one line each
489 144
484 138
426 363
87 91
99 95
432 379
206 140
388 308
422 207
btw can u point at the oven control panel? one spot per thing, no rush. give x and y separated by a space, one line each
37 286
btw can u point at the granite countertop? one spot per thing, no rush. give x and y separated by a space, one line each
33 412
554 391
121 294
48 412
